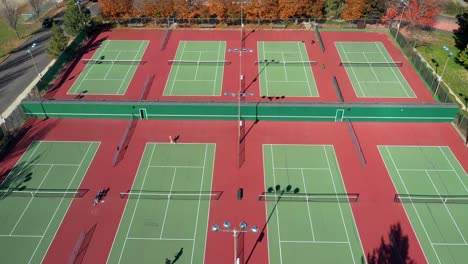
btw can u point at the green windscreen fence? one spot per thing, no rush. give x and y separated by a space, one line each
367 112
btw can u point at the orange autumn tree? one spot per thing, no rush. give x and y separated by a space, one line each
300 8
159 9
267 9
354 9
416 12
223 9
116 9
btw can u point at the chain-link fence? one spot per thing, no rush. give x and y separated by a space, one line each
439 89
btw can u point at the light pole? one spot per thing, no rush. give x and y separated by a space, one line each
405 5
32 58
235 232
81 13
439 78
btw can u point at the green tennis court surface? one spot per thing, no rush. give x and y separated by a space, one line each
156 225
197 69
34 199
424 173
288 71
372 71
111 69
300 231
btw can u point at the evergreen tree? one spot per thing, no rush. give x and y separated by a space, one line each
377 8
333 8
461 34
463 57
75 18
58 42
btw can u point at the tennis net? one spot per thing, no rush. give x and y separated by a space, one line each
46 193
122 62
283 63
417 198
309 197
189 62
174 195
372 64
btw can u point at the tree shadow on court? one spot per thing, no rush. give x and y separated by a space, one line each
16 178
91 44
271 191
393 251
19 141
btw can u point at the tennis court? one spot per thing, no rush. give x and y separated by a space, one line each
433 188
111 69
372 70
167 208
285 69
320 225
197 69
37 194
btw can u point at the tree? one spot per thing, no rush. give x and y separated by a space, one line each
36 6
416 13
377 8
333 8
116 9
9 11
462 58
162 8
58 42
267 9
75 18
354 9
461 34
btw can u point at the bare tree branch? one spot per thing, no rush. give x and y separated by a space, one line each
9 11
36 6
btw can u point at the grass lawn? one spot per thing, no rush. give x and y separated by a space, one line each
456 76
8 37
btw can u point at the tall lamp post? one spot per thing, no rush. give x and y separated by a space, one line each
405 5
78 3
439 78
32 59
235 233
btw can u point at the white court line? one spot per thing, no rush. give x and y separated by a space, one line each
284 67
136 205
422 170
402 86
217 66
359 52
449 244
315 242
277 206
58 206
380 82
446 207
304 68
339 204
105 79
265 70
196 80
372 68
129 68
21 236
167 204
285 52
160 239
175 166
197 51
198 65
112 65
52 164
30 201
463 184
287 81
199 202
351 69
414 207
209 204
88 70
280 168
308 207
177 69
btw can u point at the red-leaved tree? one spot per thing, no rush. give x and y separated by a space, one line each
355 9
415 12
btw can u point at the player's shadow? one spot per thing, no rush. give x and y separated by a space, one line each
394 250
178 255
272 191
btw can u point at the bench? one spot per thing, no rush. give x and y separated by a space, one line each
279 26
206 26
135 25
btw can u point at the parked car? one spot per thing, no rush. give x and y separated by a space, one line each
48 22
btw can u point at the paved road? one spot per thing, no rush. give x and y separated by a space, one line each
18 71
